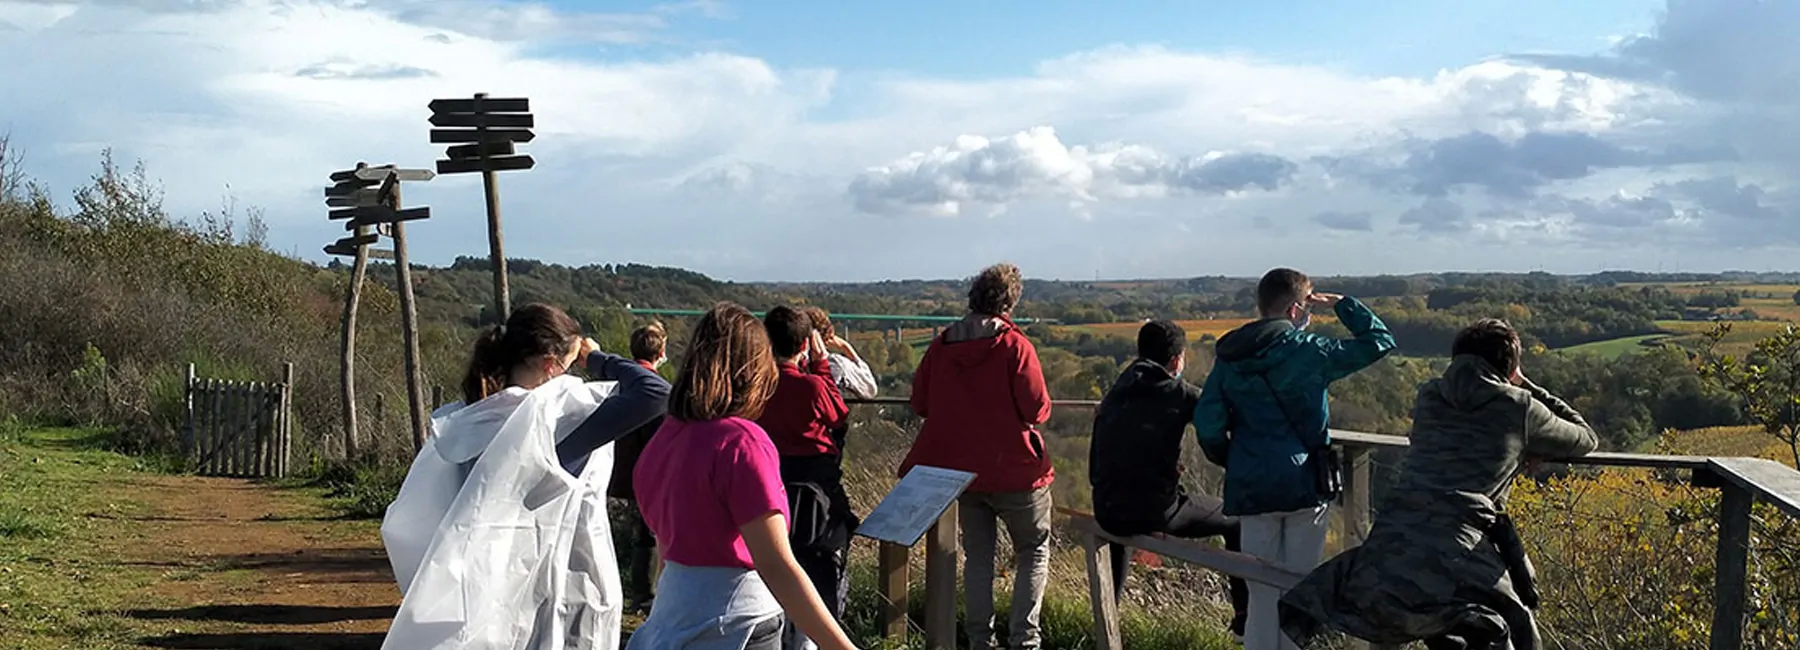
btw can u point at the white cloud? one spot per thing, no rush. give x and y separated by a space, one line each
722 160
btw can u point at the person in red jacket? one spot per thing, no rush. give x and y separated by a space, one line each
803 418
982 394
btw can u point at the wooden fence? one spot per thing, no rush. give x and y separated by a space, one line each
239 428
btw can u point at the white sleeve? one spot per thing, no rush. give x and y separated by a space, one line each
853 376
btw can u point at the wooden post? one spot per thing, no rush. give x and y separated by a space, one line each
894 590
347 345
380 413
496 252
409 320
940 582
1731 568
235 431
215 425
1100 594
284 435
187 426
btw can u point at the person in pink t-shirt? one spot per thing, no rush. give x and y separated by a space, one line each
709 485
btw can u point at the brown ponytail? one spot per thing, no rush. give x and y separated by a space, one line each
532 331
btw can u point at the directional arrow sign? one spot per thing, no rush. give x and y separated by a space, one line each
495 149
513 120
363 196
375 212
488 105
348 174
334 249
441 136
356 241
346 188
474 165
378 174
373 217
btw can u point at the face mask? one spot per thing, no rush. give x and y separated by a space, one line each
659 363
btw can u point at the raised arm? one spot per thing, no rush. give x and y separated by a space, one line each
642 396
1212 420
828 402
1553 429
1370 340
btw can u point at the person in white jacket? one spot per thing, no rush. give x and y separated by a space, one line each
499 536
847 368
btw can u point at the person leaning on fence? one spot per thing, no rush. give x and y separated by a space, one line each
649 348
520 465
710 486
1262 416
848 369
1135 454
802 419
1443 563
982 395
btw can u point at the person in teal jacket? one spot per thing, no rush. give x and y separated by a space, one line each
1263 416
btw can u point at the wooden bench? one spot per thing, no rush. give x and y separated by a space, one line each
1099 566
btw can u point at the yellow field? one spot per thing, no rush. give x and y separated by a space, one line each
1726 441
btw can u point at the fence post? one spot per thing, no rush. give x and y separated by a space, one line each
187 425
1731 567
215 412
893 587
1100 593
940 582
284 433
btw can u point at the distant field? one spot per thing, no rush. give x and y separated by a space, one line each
1215 327
1726 441
1614 348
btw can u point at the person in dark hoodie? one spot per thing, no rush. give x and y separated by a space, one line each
649 350
982 394
1134 458
1442 563
1263 415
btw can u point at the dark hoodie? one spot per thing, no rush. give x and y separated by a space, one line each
1134 458
1264 411
982 394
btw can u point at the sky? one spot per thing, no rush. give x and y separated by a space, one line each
840 141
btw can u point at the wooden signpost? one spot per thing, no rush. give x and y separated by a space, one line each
368 200
923 502
348 189
485 130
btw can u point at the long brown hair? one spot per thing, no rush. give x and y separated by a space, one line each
534 330
727 371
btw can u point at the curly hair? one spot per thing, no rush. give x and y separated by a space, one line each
728 369
1492 339
996 290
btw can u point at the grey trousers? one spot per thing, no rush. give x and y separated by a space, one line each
1027 519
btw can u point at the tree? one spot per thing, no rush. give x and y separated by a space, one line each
1766 381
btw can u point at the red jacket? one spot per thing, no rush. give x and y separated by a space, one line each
982 393
804 410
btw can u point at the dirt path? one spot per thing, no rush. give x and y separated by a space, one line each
98 552
270 564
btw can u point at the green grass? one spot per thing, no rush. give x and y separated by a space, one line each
1615 348
59 494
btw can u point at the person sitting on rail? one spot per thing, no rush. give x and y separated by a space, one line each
1263 415
1135 454
803 418
848 369
1443 563
649 345
981 392
710 487
525 440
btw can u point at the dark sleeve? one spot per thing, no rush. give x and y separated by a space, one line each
1553 429
642 396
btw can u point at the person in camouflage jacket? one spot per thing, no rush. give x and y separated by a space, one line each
1435 567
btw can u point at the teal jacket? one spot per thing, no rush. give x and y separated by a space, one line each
1263 412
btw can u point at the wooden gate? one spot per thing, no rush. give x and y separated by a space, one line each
238 428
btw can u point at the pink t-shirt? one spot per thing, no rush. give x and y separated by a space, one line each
698 482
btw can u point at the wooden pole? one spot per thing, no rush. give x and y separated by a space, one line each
1100 593
409 322
940 582
286 432
496 252
187 426
347 344
1732 564
894 590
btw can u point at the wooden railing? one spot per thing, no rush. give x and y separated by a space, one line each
1741 482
